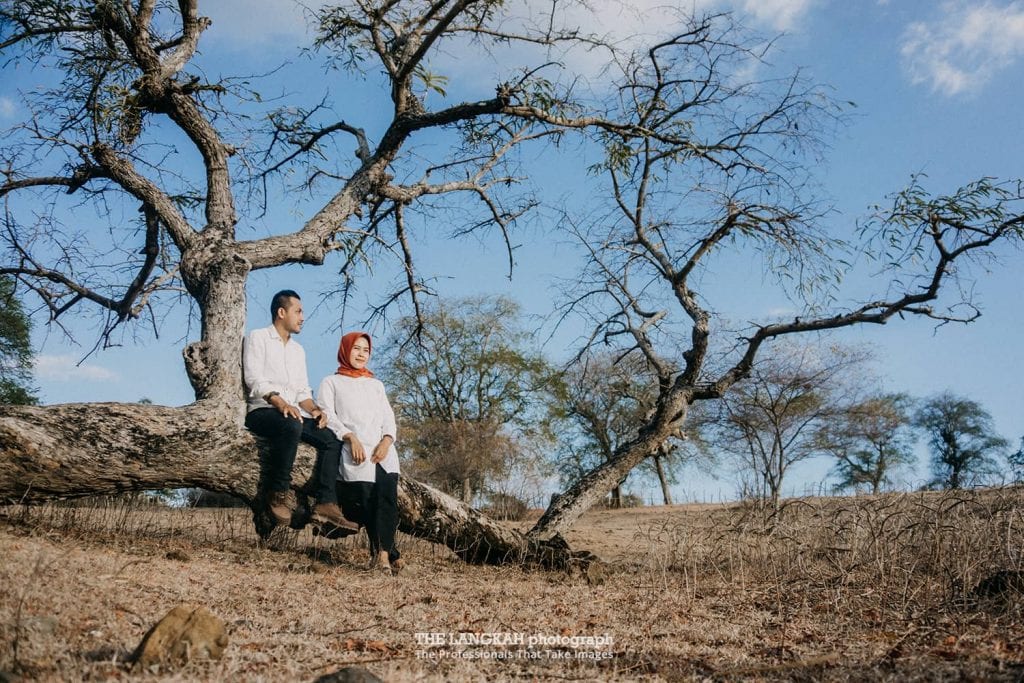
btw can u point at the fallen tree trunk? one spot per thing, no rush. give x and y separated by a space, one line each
75 450
476 538
84 449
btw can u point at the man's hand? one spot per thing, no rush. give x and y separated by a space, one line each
315 412
358 452
285 408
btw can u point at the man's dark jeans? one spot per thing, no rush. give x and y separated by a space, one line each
283 434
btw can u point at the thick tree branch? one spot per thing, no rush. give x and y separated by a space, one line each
881 311
160 93
422 42
309 140
123 172
192 27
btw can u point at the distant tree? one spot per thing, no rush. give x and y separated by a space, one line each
1016 461
663 465
603 399
600 402
870 440
467 394
459 456
962 440
775 417
505 506
15 348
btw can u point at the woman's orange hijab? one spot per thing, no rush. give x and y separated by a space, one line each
345 350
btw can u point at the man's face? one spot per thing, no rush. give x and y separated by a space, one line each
291 316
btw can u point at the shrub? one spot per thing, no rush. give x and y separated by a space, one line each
506 506
202 498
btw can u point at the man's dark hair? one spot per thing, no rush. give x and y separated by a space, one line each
280 300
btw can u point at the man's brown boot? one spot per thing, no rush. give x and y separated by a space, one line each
280 507
329 521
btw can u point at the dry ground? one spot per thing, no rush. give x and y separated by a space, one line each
823 590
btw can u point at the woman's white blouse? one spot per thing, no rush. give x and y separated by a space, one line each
359 405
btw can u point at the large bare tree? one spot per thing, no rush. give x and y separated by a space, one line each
103 145
102 211
685 219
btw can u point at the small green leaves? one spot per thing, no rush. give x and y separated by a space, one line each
430 80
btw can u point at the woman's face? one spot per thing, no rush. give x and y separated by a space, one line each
359 356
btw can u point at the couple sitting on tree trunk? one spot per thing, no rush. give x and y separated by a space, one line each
351 425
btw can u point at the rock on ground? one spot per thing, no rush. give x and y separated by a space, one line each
185 634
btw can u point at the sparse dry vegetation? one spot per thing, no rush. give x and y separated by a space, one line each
921 586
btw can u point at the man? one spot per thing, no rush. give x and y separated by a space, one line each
281 409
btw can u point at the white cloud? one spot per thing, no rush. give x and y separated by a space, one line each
657 17
7 107
781 15
263 23
259 23
633 20
965 47
628 24
63 367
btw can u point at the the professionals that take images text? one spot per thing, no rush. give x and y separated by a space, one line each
512 645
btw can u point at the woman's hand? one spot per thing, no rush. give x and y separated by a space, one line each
381 451
358 452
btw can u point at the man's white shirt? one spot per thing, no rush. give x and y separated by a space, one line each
271 364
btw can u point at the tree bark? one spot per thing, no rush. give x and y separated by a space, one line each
216 276
75 450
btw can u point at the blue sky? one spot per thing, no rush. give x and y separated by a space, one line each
937 91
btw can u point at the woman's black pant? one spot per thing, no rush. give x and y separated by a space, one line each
374 504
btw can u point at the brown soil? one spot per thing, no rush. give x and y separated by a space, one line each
830 590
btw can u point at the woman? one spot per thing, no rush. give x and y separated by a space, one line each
358 411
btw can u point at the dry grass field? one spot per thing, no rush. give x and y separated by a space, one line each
902 587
